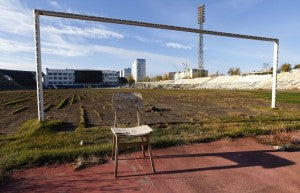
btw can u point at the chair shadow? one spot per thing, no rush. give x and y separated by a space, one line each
262 158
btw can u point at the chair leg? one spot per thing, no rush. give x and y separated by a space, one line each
150 154
116 156
142 146
113 148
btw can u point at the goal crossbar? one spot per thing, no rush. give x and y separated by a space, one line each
150 25
38 12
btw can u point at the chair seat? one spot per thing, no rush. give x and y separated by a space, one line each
132 131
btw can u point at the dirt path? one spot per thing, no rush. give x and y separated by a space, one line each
241 165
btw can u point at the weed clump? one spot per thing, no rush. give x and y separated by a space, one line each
82 121
78 97
281 140
82 162
72 99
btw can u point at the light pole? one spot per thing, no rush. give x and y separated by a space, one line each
201 20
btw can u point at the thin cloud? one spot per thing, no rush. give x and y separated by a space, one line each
145 40
54 4
57 45
178 46
85 32
15 18
16 62
125 53
11 46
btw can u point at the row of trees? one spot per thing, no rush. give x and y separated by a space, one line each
157 78
286 67
130 79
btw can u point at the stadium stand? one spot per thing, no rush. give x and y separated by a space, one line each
15 79
285 80
6 83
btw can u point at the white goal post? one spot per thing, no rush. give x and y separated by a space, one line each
37 13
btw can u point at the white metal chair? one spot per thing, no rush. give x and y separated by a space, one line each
122 102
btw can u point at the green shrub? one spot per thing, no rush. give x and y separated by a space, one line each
234 71
286 67
297 66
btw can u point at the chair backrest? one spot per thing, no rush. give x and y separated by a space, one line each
123 101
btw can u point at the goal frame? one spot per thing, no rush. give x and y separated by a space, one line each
37 13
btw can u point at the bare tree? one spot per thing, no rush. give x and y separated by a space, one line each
234 71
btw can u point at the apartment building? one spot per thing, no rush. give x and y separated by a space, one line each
125 72
139 70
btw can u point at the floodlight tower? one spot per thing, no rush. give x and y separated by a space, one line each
201 19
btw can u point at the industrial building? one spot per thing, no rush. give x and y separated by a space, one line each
78 78
139 70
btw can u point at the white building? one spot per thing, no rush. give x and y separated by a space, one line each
110 77
139 70
59 77
190 73
125 72
66 77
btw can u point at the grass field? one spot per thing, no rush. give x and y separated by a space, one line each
177 117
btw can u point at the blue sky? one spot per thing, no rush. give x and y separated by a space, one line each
90 45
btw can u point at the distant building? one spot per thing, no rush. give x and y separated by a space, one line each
169 75
79 77
139 70
190 73
59 77
125 72
110 77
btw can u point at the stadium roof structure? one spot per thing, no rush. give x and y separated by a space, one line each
17 79
37 13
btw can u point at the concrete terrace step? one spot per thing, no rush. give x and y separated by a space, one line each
286 80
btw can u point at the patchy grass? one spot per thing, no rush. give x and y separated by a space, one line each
280 140
38 143
78 97
47 107
63 103
284 97
15 101
18 110
82 120
72 99
44 143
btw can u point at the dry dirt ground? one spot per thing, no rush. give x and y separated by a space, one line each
161 106
240 165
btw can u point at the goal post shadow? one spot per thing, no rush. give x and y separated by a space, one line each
37 13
